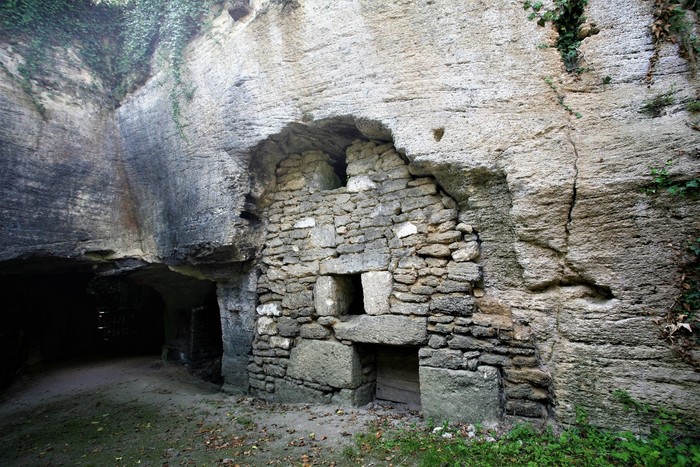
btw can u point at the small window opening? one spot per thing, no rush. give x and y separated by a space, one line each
340 167
249 216
250 209
357 303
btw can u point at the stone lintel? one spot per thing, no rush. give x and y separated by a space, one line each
355 263
383 329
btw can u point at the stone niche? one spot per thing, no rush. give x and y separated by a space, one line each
367 292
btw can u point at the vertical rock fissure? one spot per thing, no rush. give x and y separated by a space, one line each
574 188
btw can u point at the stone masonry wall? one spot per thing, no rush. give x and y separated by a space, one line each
399 237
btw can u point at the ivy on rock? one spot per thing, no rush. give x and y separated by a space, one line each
567 17
116 39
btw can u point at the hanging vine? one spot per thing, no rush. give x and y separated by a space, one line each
676 21
116 40
568 19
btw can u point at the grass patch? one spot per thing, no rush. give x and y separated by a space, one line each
582 445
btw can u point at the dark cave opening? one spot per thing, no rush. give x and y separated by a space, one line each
50 317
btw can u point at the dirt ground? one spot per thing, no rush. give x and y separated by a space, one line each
141 411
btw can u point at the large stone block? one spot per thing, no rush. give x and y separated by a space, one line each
300 299
376 288
267 326
460 395
355 263
291 393
360 183
466 272
441 358
326 362
383 329
323 236
457 305
355 397
269 309
332 295
314 331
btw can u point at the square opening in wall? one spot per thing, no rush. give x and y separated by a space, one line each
339 295
396 370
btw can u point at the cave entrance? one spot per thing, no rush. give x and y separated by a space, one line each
129 316
53 314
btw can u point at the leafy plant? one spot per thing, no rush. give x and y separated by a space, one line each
116 39
661 180
567 17
672 24
560 98
680 325
582 444
693 106
44 25
660 420
654 106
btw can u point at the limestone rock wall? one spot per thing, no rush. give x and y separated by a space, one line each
570 243
62 182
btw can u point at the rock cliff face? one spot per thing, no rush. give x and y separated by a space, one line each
569 243
64 192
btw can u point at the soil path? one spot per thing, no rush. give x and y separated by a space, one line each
141 411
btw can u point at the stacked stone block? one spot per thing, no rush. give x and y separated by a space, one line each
419 277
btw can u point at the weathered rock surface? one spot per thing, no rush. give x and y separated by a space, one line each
385 329
471 396
63 187
340 366
567 238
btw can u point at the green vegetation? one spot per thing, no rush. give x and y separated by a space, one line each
115 39
36 26
672 23
560 97
581 445
567 17
654 106
681 323
661 180
693 106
